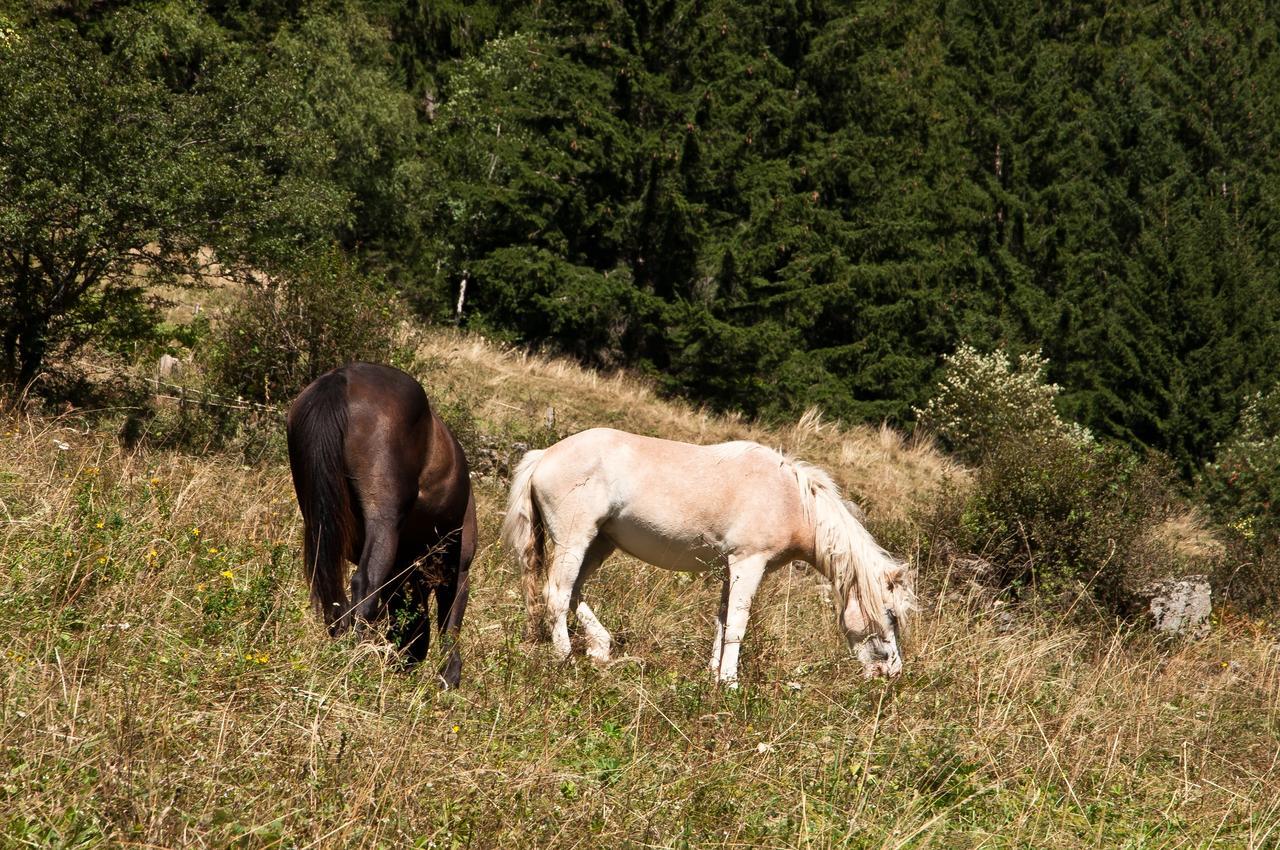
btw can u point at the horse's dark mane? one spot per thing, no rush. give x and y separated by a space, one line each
315 458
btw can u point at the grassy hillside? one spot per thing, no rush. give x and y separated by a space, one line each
165 685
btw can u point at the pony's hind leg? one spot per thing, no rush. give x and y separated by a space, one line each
561 579
451 604
451 597
744 579
599 642
369 590
572 563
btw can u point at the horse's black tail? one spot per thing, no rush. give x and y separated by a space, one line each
316 429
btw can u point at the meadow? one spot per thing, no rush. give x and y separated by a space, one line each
164 682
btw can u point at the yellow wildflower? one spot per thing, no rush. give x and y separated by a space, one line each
228 574
100 524
195 532
213 550
200 587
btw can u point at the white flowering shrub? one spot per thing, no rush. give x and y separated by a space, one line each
1050 508
984 401
1242 483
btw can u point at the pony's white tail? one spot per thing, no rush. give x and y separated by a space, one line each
522 531
851 558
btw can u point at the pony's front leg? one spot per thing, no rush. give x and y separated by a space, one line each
744 579
717 646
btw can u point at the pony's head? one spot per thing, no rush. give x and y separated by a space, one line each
873 595
871 613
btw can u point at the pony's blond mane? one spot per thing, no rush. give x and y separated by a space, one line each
846 553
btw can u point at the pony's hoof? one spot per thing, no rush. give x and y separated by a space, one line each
450 675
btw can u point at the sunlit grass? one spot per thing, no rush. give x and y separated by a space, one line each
164 684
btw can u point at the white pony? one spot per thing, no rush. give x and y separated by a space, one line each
738 506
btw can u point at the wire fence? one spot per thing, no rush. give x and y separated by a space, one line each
208 398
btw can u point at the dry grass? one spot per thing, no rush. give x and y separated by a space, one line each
1188 537
890 475
163 687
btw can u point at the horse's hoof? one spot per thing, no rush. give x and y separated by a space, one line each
451 675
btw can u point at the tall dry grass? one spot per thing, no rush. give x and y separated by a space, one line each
890 475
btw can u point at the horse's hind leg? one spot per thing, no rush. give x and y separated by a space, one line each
562 581
451 604
598 638
717 646
386 494
369 582
451 597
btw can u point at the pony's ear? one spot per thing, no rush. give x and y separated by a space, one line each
895 575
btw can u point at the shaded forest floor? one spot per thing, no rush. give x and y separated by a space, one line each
165 685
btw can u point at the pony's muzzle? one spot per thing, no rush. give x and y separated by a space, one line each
880 654
880 657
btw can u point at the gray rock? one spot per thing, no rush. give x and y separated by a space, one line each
1180 606
169 367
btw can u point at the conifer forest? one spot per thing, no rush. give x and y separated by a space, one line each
764 206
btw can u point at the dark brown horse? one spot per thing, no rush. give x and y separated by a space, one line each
383 483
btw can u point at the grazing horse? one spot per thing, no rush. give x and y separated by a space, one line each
736 506
383 483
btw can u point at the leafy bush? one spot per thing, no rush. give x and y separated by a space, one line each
1050 514
1243 484
287 332
1242 488
1050 507
984 402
